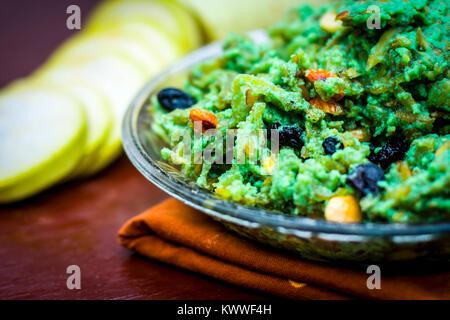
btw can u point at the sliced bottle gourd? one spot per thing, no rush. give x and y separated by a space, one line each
98 119
118 77
87 47
67 121
42 139
162 48
166 15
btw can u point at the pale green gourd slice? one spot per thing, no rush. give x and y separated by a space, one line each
98 120
87 47
157 43
119 79
42 138
166 15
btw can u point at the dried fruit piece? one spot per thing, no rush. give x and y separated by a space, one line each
392 151
318 74
372 156
342 15
330 144
365 178
208 119
172 98
344 209
327 106
291 136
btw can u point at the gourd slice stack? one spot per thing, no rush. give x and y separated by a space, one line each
64 122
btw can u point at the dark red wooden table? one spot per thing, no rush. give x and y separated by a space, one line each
77 223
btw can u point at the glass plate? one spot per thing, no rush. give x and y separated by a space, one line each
310 238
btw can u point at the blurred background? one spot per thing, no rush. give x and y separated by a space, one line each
31 30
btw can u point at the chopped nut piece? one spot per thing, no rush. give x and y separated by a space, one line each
223 193
443 148
249 98
300 73
208 119
404 170
408 117
362 135
268 164
198 169
267 181
421 43
352 73
249 150
305 92
327 106
329 23
343 209
380 49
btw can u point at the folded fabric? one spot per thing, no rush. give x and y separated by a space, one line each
176 234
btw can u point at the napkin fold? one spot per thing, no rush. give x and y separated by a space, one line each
174 233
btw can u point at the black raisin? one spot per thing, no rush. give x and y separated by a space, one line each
365 178
291 136
372 156
329 145
270 127
275 125
172 98
392 151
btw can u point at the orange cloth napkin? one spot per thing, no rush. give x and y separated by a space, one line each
176 234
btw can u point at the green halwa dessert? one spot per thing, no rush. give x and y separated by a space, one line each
359 102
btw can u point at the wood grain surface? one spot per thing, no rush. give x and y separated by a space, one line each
77 223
